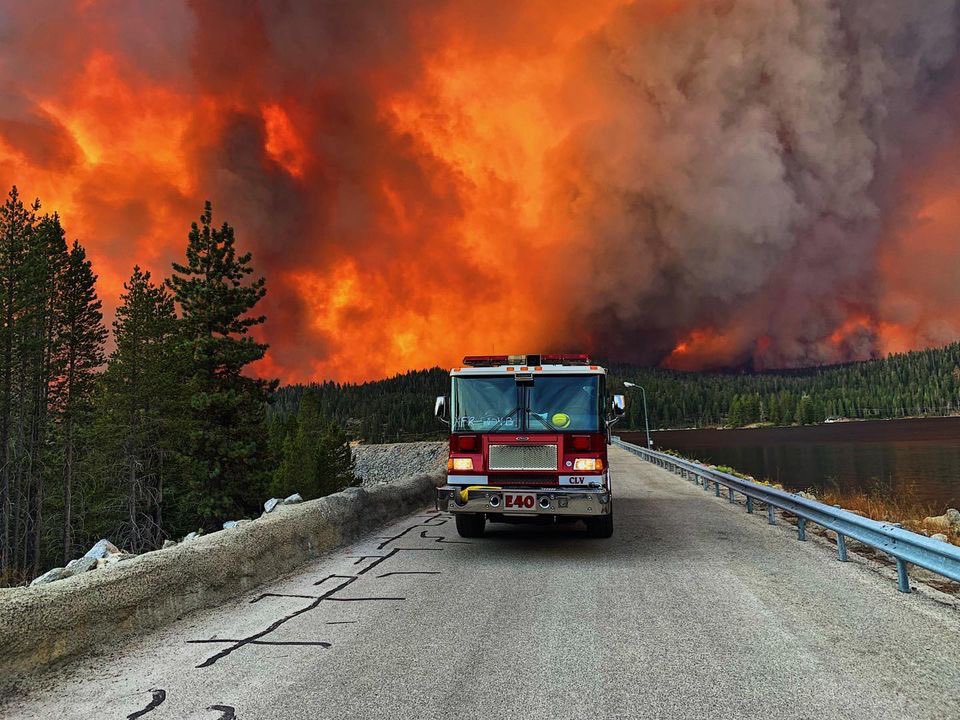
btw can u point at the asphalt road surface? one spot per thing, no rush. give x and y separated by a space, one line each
692 610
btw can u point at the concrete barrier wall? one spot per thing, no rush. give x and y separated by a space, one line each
42 624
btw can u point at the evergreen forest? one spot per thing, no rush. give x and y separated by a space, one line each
166 433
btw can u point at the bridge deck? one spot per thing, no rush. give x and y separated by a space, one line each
692 610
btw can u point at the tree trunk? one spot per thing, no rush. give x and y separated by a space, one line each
6 493
68 494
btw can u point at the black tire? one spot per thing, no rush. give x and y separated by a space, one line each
470 525
602 526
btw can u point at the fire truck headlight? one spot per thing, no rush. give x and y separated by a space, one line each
588 464
462 463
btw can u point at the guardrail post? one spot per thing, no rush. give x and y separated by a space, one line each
903 580
706 483
716 486
730 495
771 515
749 504
841 547
801 529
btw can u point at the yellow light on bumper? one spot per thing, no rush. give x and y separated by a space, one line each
461 464
588 464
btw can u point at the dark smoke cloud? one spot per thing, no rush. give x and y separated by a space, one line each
740 176
742 166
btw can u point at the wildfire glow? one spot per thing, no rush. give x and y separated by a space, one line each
421 183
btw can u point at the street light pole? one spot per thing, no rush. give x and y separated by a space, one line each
646 417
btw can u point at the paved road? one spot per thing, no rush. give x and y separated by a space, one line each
692 610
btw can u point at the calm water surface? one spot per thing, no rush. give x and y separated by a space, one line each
920 458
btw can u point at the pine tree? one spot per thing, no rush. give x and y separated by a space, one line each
336 460
229 442
39 361
16 227
82 337
140 414
316 459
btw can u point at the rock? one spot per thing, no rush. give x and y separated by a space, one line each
806 495
81 565
941 537
114 558
270 504
377 464
293 499
102 549
231 524
51 576
942 523
189 537
953 517
168 544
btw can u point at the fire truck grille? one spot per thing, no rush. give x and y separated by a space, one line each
523 457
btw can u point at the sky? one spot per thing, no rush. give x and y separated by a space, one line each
691 184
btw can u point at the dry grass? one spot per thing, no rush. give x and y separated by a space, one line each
895 508
884 503
10 578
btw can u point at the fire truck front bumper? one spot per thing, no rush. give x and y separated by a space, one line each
517 501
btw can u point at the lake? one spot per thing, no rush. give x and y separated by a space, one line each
919 458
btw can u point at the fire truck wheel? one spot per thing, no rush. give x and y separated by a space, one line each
601 527
470 525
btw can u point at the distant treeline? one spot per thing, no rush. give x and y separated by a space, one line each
919 383
924 382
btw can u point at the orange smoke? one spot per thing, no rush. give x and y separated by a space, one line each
418 184
918 265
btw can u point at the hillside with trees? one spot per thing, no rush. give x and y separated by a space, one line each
920 383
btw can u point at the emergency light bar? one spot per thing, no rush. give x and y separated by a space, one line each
529 360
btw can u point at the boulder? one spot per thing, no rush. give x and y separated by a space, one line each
101 550
270 504
114 558
293 499
942 523
189 537
51 576
231 524
81 565
941 537
168 544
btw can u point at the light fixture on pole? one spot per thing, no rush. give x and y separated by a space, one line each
646 418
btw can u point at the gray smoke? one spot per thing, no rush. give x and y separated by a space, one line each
743 169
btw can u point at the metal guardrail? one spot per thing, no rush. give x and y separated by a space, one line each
904 546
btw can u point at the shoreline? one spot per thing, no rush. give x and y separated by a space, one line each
830 423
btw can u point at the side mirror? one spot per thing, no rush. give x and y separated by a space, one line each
619 405
440 409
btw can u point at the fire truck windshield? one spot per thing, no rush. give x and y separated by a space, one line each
486 403
548 403
564 402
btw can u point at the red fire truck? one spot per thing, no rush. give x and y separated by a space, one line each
528 442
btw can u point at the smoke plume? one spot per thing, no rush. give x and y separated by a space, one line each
685 182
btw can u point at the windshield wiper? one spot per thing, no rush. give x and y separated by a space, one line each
504 419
